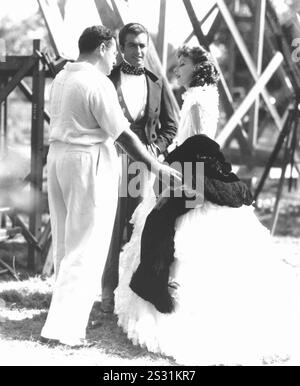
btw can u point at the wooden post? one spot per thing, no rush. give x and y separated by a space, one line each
162 41
3 118
232 62
28 93
37 137
258 44
3 134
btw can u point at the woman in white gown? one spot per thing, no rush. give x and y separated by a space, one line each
236 301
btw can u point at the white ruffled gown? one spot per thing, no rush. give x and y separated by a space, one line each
237 301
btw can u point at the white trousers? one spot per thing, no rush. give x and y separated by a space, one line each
83 193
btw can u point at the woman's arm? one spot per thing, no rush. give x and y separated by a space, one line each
196 120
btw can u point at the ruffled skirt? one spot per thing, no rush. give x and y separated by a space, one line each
237 302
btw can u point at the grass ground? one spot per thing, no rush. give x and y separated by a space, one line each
22 315
23 310
24 305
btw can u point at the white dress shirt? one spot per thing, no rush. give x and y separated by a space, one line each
84 107
134 89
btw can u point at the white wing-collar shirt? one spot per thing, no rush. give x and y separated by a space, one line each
134 89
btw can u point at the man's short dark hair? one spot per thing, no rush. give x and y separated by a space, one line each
92 37
131 28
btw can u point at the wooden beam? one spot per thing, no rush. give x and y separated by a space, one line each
45 235
292 69
248 59
202 21
196 25
215 27
13 63
224 90
258 46
250 98
3 124
232 62
37 143
162 41
56 28
110 16
30 238
13 83
280 187
28 93
11 271
239 134
258 158
269 47
289 117
48 266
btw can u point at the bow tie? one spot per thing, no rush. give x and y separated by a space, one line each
131 70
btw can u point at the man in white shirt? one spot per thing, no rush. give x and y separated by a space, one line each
86 120
147 106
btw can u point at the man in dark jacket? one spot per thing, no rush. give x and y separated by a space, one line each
148 107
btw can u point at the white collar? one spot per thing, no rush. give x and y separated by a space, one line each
77 66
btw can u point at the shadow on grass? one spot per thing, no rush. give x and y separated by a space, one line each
27 329
112 340
25 312
24 322
23 299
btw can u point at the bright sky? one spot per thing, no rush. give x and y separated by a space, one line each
81 13
18 9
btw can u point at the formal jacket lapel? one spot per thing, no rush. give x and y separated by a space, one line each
154 85
115 75
152 111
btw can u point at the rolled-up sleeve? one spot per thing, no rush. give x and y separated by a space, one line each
106 109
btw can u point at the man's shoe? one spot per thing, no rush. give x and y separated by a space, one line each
107 306
49 342
83 344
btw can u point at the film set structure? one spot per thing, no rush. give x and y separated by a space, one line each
265 54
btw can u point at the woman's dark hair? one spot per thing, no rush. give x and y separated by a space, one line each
131 28
92 37
205 72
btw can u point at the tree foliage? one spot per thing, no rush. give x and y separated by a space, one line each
18 37
286 9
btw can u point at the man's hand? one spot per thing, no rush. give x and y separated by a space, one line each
169 176
134 147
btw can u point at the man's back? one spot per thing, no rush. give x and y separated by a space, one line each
76 101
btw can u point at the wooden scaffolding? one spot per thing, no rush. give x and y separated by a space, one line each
270 45
12 73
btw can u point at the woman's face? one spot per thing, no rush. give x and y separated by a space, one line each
184 71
